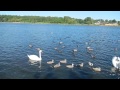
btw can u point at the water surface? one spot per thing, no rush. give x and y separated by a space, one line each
15 39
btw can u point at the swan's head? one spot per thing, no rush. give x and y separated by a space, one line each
72 64
52 60
39 49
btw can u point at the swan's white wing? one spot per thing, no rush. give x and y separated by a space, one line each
33 57
115 62
114 57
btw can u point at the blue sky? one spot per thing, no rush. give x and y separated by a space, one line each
110 15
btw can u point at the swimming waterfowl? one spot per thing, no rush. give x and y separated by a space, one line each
90 64
92 56
81 65
75 50
98 69
30 45
55 48
50 62
57 65
70 66
35 57
116 62
89 48
63 61
60 42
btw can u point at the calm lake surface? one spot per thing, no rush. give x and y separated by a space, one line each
15 39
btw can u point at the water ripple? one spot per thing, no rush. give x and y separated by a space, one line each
16 38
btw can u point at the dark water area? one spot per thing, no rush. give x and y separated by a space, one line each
15 39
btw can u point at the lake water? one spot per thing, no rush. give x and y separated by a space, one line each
15 39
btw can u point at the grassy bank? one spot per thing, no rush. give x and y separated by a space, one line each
59 23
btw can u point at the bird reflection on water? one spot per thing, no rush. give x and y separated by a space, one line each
35 63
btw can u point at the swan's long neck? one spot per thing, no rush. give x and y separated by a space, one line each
40 54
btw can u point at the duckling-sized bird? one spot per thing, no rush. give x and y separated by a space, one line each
63 46
93 56
90 64
50 62
70 66
97 69
75 50
81 65
55 48
63 61
30 46
60 42
57 65
89 48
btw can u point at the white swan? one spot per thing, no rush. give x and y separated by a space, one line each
90 64
63 61
81 65
57 65
98 69
50 62
70 66
35 57
116 62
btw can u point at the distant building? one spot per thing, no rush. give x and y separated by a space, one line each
97 23
111 24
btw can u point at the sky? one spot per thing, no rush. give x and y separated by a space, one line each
110 15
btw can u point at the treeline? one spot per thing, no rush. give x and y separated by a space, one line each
59 20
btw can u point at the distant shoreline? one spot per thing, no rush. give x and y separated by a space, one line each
62 23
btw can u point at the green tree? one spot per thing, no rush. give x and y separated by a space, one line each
88 20
118 22
106 21
114 21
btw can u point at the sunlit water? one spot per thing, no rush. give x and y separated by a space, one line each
16 38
